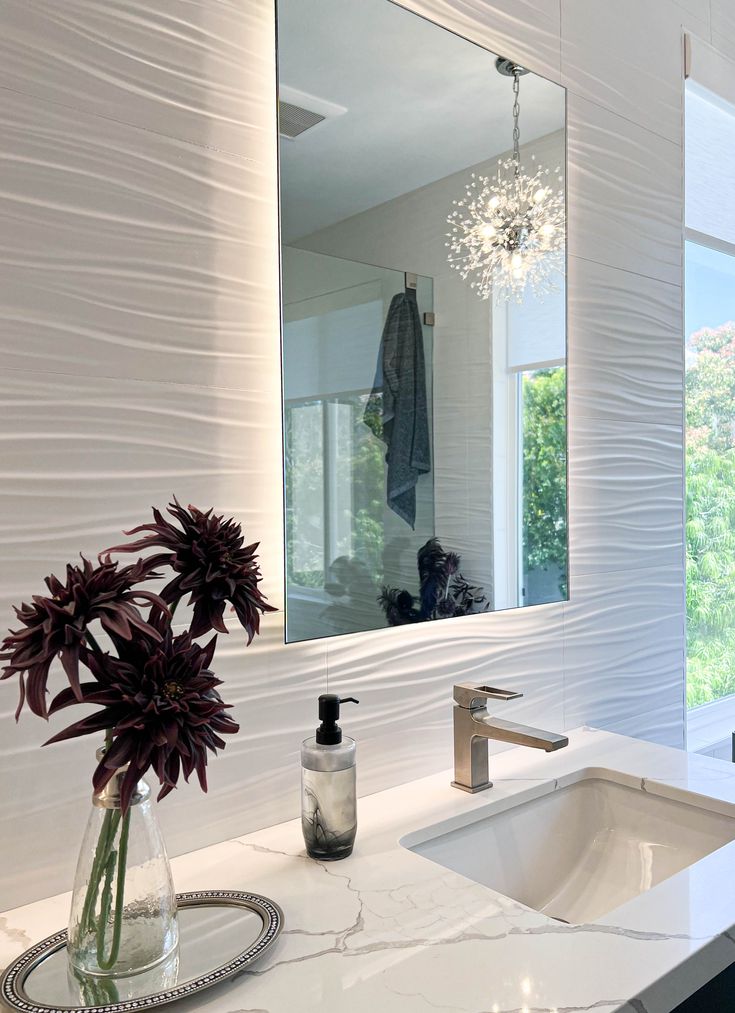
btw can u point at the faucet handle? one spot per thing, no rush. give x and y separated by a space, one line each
470 696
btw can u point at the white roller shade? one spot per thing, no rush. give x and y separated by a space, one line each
536 330
710 142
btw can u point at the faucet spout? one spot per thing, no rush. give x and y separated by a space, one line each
473 727
520 735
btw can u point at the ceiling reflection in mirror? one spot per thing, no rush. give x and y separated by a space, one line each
424 322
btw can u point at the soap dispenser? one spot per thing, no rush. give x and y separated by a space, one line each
328 787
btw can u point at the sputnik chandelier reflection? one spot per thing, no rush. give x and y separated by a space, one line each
507 232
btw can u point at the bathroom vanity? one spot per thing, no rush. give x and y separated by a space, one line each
394 927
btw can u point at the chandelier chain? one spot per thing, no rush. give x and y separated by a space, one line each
516 127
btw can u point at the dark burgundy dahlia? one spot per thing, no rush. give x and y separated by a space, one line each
56 626
211 564
159 701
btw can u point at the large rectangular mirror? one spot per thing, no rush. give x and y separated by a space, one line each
424 322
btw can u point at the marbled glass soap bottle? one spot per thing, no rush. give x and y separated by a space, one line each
328 786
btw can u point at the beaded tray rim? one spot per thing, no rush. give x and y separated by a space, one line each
12 984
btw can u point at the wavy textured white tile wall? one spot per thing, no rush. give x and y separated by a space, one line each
636 74
696 16
138 301
625 193
126 253
83 456
723 26
626 356
185 68
625 495
623 648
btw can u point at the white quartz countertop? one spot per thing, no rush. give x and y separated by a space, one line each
387 930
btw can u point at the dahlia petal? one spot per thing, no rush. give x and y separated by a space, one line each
127 788
70 660
91 692
201 622
21 695
166 789
208 652
37 677
119 753
201 769
92 723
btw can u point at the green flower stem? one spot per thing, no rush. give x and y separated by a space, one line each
105 907
122 856
97 991
103 868
104 846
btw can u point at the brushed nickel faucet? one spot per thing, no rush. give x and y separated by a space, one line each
473 726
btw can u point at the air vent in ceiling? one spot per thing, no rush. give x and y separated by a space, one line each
294 120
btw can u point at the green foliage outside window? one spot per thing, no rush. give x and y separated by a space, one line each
545 478
361 468
368 489
710 527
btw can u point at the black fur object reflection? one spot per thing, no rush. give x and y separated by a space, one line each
443 591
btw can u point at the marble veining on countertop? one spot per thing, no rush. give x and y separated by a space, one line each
388 930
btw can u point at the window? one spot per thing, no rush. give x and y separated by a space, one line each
543 467
530 451
710 399
334 463
710 473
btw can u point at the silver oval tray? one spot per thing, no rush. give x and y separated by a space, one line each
221 933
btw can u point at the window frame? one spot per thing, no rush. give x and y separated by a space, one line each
329 547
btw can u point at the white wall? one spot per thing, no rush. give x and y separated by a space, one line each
140 349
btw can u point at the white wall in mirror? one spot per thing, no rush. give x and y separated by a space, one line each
140 344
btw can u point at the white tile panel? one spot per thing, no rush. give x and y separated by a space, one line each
84 458
626 495
200 70
626 348
637 74
723 26
623 652
126 253
695 17
625 193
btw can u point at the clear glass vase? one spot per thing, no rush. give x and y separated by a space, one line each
123 911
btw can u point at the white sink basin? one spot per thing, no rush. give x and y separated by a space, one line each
578 848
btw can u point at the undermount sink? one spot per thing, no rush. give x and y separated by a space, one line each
577 848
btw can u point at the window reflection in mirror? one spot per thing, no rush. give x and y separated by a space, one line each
424 425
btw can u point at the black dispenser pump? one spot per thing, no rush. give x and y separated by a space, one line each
329 733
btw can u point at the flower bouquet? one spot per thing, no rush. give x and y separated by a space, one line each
157 702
